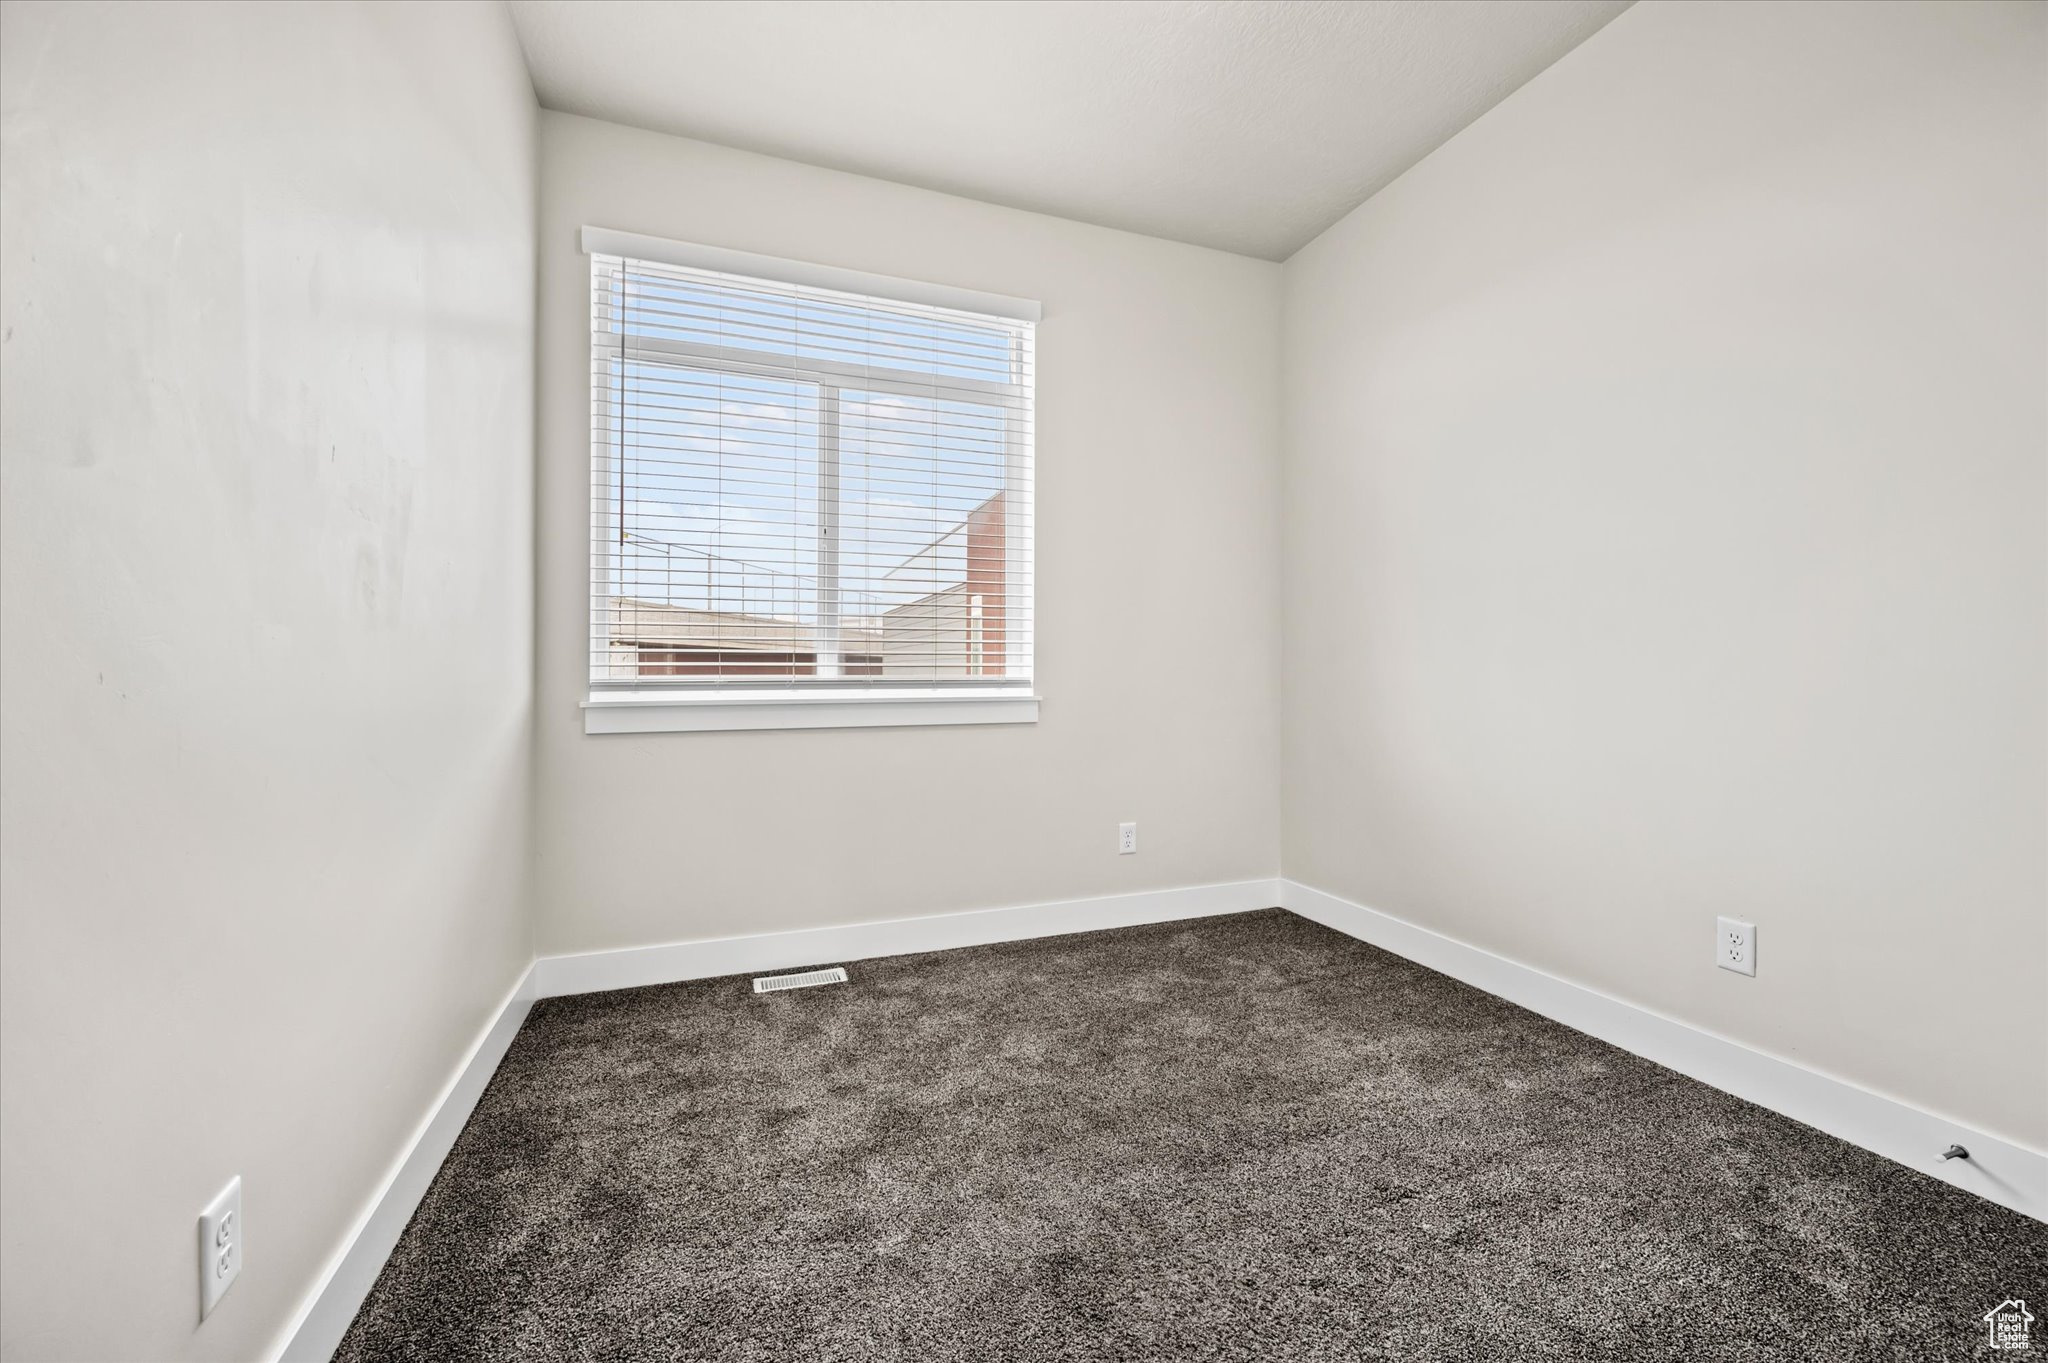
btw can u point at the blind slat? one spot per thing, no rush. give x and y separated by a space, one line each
795 487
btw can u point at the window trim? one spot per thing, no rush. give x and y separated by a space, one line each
612 710
644 712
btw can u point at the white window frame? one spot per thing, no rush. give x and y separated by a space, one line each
649 709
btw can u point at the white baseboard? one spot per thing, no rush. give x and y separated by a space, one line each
324 1317
2010 1175
328 1309
632 967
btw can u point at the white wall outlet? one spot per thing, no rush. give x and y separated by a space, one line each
220 1245
1735 945
1126 839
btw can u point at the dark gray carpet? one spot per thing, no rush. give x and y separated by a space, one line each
1234 1138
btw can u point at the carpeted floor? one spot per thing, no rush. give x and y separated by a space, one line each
1233 1138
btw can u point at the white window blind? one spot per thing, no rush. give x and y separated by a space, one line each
798 488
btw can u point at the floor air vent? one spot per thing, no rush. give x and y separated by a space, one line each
771 984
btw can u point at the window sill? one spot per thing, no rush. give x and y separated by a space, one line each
668 712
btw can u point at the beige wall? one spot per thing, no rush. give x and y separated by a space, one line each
1664 493
1666 519
265 436
1157 651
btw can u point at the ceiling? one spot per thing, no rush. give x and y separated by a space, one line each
1249 125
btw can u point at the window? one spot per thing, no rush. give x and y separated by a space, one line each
811 495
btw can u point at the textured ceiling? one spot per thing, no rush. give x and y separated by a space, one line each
1249 125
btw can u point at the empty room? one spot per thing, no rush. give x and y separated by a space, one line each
964 680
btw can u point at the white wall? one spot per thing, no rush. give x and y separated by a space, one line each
266 312
1664 496
1156 499
1666 518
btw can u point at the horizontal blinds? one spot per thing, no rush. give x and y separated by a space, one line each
795 487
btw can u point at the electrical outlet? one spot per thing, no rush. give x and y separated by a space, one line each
220 1245
1735 945
1126 839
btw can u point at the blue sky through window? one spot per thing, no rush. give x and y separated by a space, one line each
812 329
718 470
